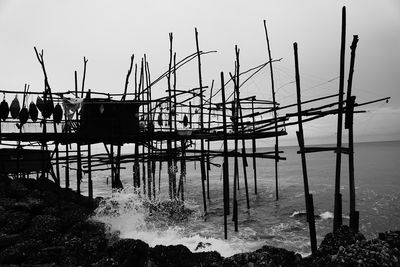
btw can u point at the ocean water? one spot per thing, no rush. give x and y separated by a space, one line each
279 223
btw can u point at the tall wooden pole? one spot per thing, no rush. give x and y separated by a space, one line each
208 143
275 115
171 172
89 158
78 147
254 147
354 215
202 158
226 160
337 220
300 138
239 114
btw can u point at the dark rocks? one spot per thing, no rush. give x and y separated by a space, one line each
266 256
344 236
44 225
346 248
202 245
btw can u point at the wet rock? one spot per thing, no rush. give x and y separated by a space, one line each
44 227
202 245
16 189
392 238
20 252
9 240
130 252
342 237
29 204
16 221
266 256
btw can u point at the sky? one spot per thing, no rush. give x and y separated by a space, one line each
107 33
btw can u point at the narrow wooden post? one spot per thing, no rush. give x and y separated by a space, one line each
202 158
78 147
275 115
239 114
171 172
236 163
226 160
136 175
89 158
190 114
244 160
300 138
337 220
254 146
67 166
90 182
183 169
208 142
112 166
349 125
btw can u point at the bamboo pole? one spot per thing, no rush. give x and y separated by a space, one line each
354 216
226 160
202 158
78 147
300 138
169 142
183 170
275 115
337 220
208 143
254 149
239 113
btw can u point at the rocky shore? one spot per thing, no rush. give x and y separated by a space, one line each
43 225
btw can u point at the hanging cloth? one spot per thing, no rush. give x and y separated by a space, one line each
33 111
15 108
160 120
185 121
71 105
48 109
23 115
39 103
4 110
57 114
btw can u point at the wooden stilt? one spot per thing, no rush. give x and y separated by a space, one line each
239 114
337 220
112 166
226 159
254 149
300 138
90 182
78 147
275 115
183 169
208 143
202 158
349 125
67 166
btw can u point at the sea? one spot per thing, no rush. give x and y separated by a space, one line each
280 223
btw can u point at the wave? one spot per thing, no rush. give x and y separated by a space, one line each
165 222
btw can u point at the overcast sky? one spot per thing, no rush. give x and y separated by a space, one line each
108 32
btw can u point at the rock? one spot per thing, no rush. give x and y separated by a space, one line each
9 240
20 252
202 245
16 189
44 227
29 204
344 236
16 222
129 252
266 256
